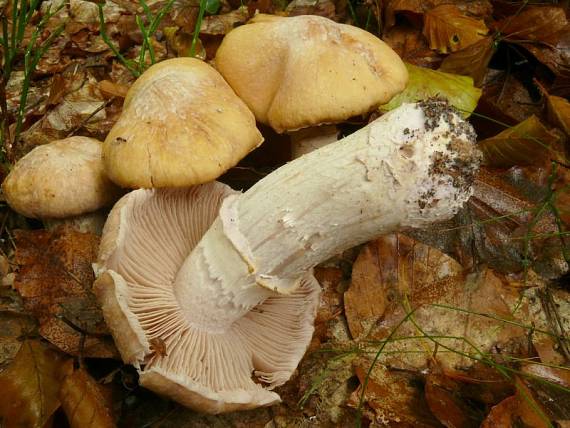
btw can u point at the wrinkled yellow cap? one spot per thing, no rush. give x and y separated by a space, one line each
64 178
181 125
308 70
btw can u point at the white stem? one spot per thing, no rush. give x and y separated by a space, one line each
307 140
410 168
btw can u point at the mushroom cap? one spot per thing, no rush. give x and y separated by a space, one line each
147 237
64 178
181 125
308 70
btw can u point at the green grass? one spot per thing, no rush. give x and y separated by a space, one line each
13 49
148 25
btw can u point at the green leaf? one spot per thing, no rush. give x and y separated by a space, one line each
212 6
424 83
528 143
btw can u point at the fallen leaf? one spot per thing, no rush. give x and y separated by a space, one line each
555 56
443 395
384 269
501 415
55 278
30 386
13 327
391 398
330 305
528 409
472 61
527 143
325 8
424 83
559 112
505 100
81 106
478 8
448 29
410 44
84 403
539 23
110 89
447 304
220 25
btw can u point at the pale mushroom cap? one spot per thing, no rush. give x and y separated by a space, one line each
64 178
308 70
147 237
181 125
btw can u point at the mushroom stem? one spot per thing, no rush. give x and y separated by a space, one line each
412 167
307 140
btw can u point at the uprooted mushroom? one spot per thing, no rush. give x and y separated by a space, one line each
210 292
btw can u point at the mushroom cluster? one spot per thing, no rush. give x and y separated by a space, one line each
207 291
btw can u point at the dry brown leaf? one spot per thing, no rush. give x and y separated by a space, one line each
443 395
410 44
501 415
555 56
110 89
81 104
55 279
528 409
559 112
534 23
13 327
418 277
391 398
220 25
505 99
527 143
84 403
330 306
472 61
385 268
30 386
448 29
325 8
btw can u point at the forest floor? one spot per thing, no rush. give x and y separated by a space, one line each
462 325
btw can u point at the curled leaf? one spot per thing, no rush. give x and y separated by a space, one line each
559 112
534 23
448 29
471 61
424 83
527 143
30 386
54 279
84 403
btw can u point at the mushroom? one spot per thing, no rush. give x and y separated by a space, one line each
181 125
314 71
60 180
222 281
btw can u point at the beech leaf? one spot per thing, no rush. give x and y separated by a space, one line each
30 386
425 83
448 29
527 143
84 403
471 61
55 278
534 23
559 112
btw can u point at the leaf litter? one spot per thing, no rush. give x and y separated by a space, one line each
465 324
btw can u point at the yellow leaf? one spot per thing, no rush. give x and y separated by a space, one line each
424 83
527 143
84 403
559 112
30 386
446 28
